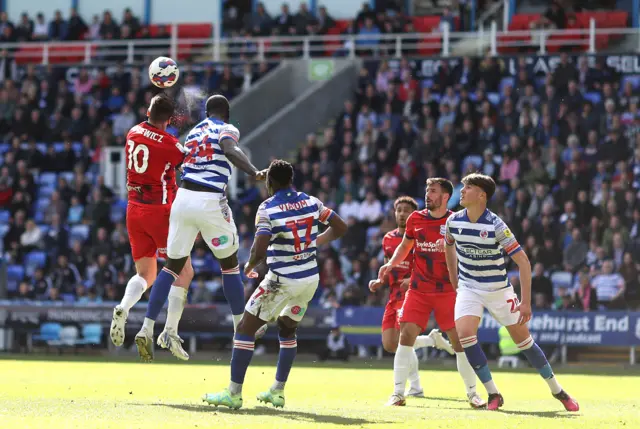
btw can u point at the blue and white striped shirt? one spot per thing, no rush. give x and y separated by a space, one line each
479 247
291 219
206 163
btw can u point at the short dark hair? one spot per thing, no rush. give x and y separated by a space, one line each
482 181
218 105
161 108
405 200
280 173
445 184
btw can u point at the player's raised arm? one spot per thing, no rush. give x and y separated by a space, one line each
337 226
450 256
229 144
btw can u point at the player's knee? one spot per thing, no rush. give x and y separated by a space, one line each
230 262
390 346
176 265
287 327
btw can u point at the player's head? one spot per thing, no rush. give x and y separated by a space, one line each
161 110
437 193
477 190
403 207
218 106
279 176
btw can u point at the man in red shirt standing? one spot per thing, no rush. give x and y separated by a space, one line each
398 281
152 155
429 289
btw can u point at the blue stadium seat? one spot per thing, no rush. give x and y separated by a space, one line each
118 211
15 272
44 228
507 81
34 260
45 191
42 147
58 147
4 148
48 179
42 203
68 176
540 82
49 332
77 147
68 298
4 228
634 79
593 97
427 83
494 98
5 215
79 232
91 334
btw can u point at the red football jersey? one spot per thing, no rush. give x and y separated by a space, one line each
430 274
390 243
152 157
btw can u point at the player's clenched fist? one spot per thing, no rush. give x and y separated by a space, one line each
384 270
374 285
261 175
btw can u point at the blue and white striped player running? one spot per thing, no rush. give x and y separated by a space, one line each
286 236
477 270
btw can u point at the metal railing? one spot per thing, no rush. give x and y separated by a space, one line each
261 48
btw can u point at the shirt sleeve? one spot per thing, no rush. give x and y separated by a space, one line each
263 223
448 237
178 152
228 131
325 213
505 237
409 230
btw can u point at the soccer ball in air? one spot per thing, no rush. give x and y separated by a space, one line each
163 72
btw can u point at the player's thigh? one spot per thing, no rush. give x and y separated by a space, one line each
501 304
468 312
157 226
444 308
416 309
268 300
186 275
182 232
219 232
298 302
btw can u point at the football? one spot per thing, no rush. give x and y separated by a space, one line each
164 72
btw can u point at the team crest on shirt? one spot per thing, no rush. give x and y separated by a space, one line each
443 230
297 310
484 233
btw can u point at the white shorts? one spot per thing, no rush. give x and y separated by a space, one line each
271 299
499 303
195 212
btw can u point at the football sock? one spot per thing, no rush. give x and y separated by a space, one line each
177 299
466 372
401 368
423 341
233 289
414 373
478 362
160 292
288 350
538 360
133 292
243 346
148 324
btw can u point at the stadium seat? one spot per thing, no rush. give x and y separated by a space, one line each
34 260
561 279
507 81
48 332
68 176
79 232
15 272
91 334
494 98
45 191
58 147
47 179
4 228
42 147
5 215
68 337
593 97
68 298
634 79
42 203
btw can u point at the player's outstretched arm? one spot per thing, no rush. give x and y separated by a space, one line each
237 157
400 254
337 228
258 253
524 266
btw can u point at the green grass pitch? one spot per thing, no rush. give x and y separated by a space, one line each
54 394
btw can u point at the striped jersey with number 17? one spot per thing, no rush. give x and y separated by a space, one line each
292 219
206 163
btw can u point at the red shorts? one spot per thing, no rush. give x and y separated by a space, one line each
390 317
417 308
148 227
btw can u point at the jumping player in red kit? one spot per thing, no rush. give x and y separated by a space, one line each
152 155
429 289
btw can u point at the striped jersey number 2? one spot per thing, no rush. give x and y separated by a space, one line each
294 225
140 166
